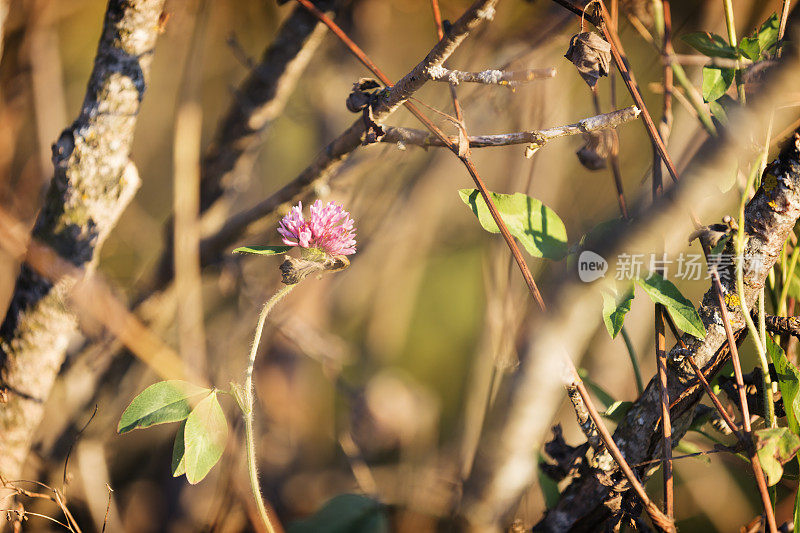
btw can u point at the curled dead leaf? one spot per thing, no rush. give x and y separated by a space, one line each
363 94
596 149
591 55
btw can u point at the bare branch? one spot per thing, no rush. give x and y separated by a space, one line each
491 77
93 183
536 137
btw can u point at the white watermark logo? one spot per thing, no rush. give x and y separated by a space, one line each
591 266
686 266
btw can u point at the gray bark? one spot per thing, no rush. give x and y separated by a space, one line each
93 182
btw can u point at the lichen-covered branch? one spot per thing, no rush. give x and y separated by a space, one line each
507 78
409 136
770 217
92 184
782 325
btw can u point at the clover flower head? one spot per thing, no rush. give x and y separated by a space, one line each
328 229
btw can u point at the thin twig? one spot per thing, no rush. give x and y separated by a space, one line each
610 33
731 27
737 370
663 29
693 98
782 27
661 364
698 60
491 77
733 426
538 138
664 523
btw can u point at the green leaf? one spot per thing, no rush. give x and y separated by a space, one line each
788 382
614 311
719 112
662 291
601 233
760 45
536 226
204 439
262 250
179 452
345 513
716 82
617 410
750 48
775 447
709 44
605 398
162 402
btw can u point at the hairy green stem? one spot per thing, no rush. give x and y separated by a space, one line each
247 408
728 5
788 273
634 361
694 97
760 342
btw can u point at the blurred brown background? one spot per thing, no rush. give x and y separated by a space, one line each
377 361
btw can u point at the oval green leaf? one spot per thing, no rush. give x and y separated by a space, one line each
775 447
262 250
345 513
204 438
535 225
614 311
179 452
760 45
709 44
788 382
716 82
662 291
160 403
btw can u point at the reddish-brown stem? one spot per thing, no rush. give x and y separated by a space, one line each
613 159
737 372
661 521
606 25
661 356
661 364
610 33
733 426
437 18
342 36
